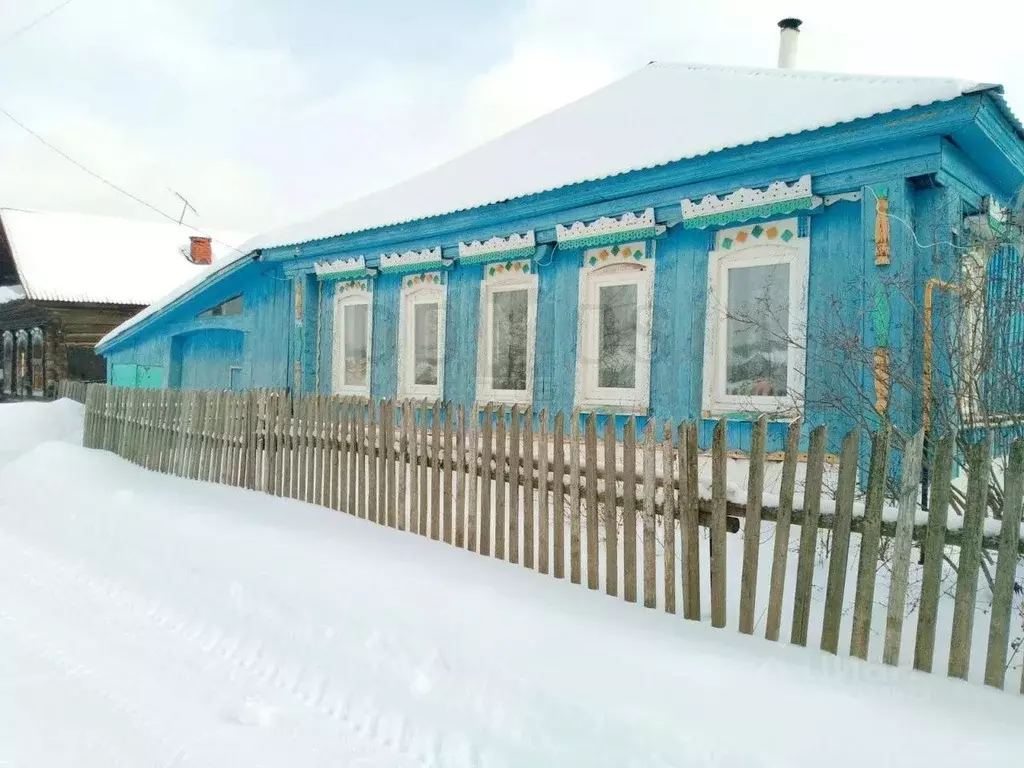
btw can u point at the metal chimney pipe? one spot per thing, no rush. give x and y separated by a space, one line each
789 36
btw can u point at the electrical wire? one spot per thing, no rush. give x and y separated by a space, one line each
106 181
36 21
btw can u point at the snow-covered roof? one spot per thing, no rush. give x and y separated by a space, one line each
658 114
86 258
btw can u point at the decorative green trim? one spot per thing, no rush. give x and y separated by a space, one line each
496 256
767 210
611 238
423 266
355 274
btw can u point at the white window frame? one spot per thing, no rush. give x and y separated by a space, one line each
590 396
491 286
756 252
420 293
351 297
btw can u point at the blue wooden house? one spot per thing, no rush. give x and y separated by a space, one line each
686 243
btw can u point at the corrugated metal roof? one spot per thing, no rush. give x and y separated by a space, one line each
84 258
659 114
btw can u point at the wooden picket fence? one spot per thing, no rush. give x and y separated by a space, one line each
74 390
536 491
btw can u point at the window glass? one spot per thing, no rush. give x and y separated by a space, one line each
509 339
232 306
616 344
355 322
425 357
757 330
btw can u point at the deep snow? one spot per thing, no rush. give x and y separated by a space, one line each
152 621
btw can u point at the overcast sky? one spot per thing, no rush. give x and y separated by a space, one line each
266 111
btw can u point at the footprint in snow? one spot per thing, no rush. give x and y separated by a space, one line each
251 713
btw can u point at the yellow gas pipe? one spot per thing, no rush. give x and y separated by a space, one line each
929 289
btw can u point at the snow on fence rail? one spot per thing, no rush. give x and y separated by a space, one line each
73 390
529 490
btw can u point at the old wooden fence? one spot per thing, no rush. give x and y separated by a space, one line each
535 490
73 390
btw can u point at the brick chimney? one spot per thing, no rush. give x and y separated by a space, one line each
200 250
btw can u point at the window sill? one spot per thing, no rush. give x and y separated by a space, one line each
776 413
613 409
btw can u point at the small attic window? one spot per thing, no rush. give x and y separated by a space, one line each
232 306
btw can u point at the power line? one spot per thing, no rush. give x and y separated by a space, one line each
38 20
106 181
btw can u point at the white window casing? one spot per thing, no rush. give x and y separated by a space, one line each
754 357
421 324
352 351
501 294
613 355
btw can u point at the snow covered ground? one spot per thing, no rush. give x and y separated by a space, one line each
147 620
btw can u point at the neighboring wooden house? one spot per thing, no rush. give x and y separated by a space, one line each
68 279
591 259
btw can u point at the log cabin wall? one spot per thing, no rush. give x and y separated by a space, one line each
63 349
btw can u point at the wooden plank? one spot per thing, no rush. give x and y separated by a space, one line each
449 491
718 510
228 463
901 550
978 468
650 569
382 460
386 465
593 550
373 497
835 589
808 537
286 425
424 469
336 452
529 523
435 472
575 558
360 451
460 480
402 492
780 558
326 444
500 477
558 487
198 434
472 470
689 518
544 521
249 428
611 517
323 484
291 476
629 479
269 458
935 540
352 457
485 483
752 527
514 508
870 540
668 517
414 483
310 466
